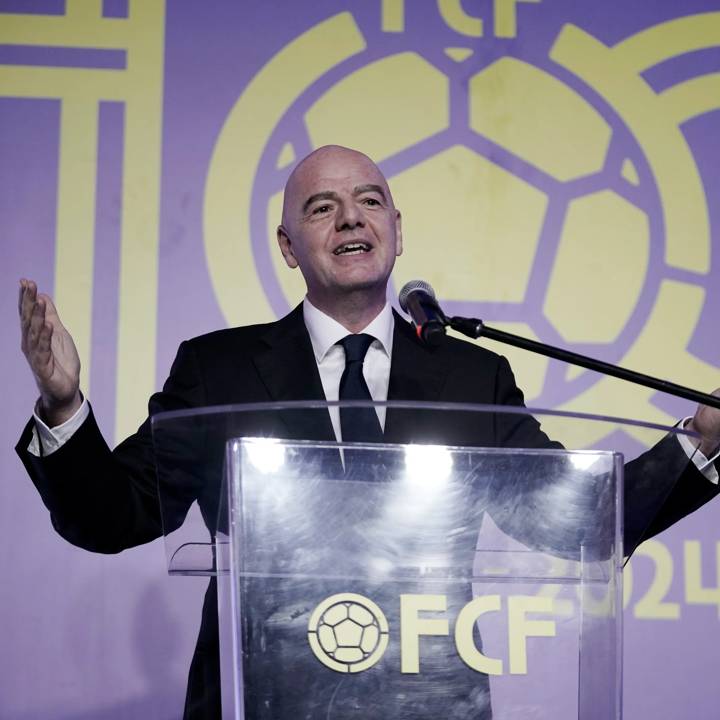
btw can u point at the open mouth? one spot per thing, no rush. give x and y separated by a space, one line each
353 248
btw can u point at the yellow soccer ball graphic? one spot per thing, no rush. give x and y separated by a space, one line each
550 196
537 200
516 206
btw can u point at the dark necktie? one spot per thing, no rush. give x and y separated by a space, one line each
357 424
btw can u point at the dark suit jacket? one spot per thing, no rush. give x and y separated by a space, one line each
107 500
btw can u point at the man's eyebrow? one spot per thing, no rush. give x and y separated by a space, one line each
330 195
324 195
360 189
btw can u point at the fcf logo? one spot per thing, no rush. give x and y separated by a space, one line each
349 633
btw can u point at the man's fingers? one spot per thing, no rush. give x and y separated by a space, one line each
28 298
708 408
51 313
706 422
43 354
37 321
21 295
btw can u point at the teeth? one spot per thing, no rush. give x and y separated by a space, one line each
352 249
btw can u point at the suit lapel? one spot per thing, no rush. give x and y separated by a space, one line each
289 372
416 373
287 368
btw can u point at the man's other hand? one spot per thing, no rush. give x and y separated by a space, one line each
51 354
706 423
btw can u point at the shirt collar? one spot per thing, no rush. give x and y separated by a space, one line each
325 332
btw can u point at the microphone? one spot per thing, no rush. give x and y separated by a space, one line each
417 299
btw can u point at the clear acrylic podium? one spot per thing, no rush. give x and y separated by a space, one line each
407 580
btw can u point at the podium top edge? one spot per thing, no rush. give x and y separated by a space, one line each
237 409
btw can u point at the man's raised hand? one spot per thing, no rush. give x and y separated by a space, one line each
706 423
51 354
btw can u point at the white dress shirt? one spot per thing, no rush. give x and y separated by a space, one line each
325 333
46 440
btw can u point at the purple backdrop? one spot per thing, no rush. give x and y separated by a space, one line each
89 636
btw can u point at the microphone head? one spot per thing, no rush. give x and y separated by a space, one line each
412 286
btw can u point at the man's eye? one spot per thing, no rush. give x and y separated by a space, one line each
371 201
320 209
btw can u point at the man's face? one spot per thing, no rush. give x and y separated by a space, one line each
340 226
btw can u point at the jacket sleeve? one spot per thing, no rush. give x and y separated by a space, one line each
107 500
661 486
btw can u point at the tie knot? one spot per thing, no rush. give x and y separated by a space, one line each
356 347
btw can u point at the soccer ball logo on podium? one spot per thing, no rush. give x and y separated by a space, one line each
348 633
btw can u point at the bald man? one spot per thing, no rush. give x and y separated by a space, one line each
341 229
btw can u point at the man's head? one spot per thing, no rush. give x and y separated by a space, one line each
340 226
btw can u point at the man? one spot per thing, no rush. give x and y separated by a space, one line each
341 229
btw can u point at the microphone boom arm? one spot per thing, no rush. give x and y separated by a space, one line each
474 328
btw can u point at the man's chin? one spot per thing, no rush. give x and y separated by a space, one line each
363 278
359 289
364 285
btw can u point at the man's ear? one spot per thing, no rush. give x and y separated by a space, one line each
398 233
286 247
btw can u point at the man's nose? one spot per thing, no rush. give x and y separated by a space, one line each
348 217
